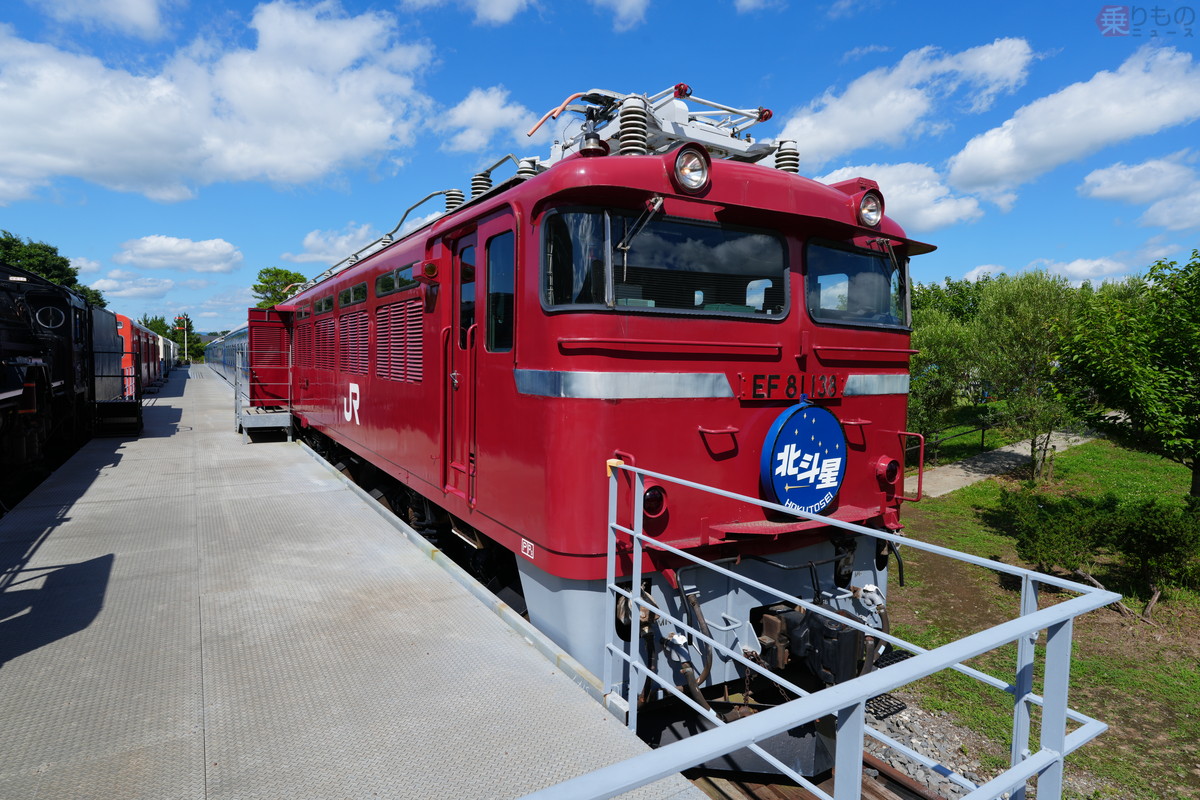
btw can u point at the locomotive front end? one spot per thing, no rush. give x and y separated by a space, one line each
742 328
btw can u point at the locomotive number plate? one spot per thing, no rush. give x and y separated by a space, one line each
780 386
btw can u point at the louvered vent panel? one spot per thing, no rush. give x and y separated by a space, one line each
414 342
326 342
304 345
383 342
352 338
267 347
398 339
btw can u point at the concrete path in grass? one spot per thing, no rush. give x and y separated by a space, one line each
943 480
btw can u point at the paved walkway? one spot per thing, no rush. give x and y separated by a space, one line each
184 617
943 480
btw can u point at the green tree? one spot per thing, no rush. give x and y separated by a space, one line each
1021 326
43 259
157 324
941 369
273 285
959 300
1137 348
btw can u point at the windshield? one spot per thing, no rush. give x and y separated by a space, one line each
670 265
856 287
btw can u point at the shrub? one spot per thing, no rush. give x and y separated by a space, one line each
1063 532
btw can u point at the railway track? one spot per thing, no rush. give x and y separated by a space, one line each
880 782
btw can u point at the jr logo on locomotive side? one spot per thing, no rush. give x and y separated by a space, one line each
350 403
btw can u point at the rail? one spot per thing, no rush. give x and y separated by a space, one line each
117 393
846 702
246 417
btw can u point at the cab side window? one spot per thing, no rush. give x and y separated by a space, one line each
501 310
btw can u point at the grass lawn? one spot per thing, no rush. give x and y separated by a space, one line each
1143 680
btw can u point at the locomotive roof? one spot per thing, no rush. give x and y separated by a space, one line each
616 124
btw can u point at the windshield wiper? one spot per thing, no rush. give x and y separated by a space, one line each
886 246
653 206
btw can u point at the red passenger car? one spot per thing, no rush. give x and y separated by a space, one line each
140 363
663 290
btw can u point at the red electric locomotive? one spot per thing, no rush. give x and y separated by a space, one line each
663 290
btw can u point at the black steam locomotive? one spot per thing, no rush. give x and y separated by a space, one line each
60 358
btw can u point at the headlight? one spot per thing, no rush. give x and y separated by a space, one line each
691 169
887 470
870 209
654 501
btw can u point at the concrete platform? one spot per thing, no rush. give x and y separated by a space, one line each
185 616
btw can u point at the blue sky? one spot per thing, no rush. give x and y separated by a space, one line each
172 148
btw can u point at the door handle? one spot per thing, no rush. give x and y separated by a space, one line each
454 376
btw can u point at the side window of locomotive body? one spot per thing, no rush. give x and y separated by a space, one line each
501 264
466 295
671 265
395 281
352 295
849 286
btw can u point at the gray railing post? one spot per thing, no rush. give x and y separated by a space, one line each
237 387
636 668
847 764
610 602
1054 706
1023 682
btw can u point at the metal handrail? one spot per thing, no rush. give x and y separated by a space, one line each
847 701
242 419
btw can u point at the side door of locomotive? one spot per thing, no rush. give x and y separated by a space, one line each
480 345
460 370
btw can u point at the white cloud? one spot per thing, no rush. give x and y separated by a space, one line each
498 11
138 17
125 286
892 105
330 247
168 252
1179 212
1138 183
1156 88
85 265
860 52
233 300
492 12
629 13
914 194
1171 186
1082 269
1156 248
746 6
984 269
848 8
210 115
482 115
